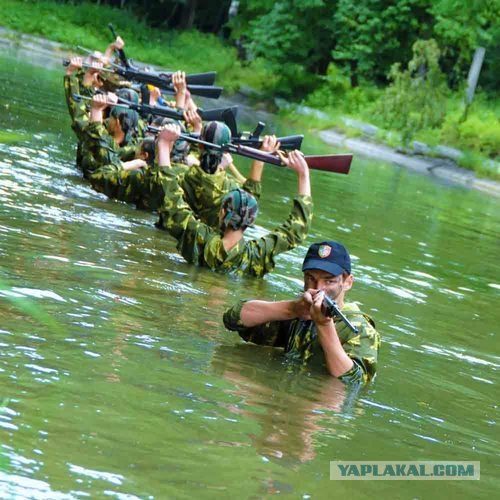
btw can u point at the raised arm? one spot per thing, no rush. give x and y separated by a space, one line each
296 162
116 45
166 140
99 103
78 111
270 144
180 86
258 312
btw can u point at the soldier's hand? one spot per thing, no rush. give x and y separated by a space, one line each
169 133
316 310
154 95
227 160
179 82
102 101
302 306
118 43
295 161
134 164
74 64
194 119
270 144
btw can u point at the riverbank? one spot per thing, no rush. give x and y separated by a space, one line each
47 53
441 168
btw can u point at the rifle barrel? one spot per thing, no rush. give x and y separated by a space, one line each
121 52
288 143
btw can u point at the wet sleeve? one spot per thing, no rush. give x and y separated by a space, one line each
356 375
96 149
295 229
287 236
253 187
127 153
120 184
361 347
273 334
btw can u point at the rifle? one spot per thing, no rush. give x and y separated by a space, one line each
66 62
331 163
164 81
199 84
329 308
226 115
121 52
288 143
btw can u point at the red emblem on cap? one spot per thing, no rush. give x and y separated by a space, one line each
324 251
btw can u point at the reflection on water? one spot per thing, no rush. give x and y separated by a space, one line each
121 381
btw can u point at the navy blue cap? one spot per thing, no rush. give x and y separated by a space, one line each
328 256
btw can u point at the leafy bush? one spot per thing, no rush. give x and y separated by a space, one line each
416 99
480 132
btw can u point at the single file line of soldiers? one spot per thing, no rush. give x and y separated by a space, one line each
132 148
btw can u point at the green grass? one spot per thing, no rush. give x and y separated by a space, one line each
87 25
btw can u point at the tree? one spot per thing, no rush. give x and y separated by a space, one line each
416 98
374 34
461 27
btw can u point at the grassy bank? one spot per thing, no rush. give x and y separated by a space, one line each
87 25
478 136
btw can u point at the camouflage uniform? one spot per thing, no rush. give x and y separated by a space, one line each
79 111
145 187
204 192
99 148
201 245
299 338
95 146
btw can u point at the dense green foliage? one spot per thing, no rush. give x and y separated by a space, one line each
367 37
302 37
416 99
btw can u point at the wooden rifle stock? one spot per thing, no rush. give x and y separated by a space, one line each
340 164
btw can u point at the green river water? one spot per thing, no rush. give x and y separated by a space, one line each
118 379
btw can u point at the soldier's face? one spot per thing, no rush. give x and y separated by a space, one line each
112 124
333 286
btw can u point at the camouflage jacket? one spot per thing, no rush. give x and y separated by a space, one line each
299 339
201 245
78 111
145 187
99 148
204 192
